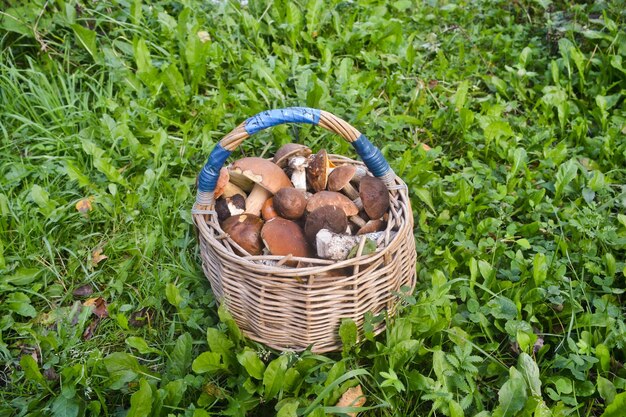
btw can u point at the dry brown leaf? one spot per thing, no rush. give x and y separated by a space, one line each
426 147
90 330
84 205
83 291
353 397
141 317
97 256
99 306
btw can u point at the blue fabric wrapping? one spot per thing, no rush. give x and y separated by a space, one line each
371 156
211 171
271 118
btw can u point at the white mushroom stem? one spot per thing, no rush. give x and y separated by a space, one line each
358 202
255 200
337 247
298 177
350 192
357 220
360 173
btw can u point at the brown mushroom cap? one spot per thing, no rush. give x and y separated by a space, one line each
371 227
339 180
222 181
261 171
290 203
317 172
375 196
245 230
331 198
267 211
340 176
229 206
290 150
283 237
326 217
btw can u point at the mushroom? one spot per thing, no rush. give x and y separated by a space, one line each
298 172
294 155
289 151
328 217
335 246
333 198
283 237
339 180
267 177
230 206
371 227
290 203
374 196
225 188
319 168
245 230
267 211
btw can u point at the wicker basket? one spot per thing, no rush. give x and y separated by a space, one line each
289 308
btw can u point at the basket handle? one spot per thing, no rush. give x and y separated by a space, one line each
370 154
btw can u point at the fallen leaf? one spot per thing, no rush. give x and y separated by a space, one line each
204 36
426 147
90 330
97 256
84 205
50 374
353 397
99 306
141 317
83 291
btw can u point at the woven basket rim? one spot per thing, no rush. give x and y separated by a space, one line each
256 260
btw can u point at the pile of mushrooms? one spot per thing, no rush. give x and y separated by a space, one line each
300 204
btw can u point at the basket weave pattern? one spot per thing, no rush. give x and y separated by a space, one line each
294 308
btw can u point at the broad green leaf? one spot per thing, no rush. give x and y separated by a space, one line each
497 129
274 377
174 392
529 369
173 80
249 359
181 356
65 407
617 407
460 96
39 195
31 370
140 344
566 173
288 409
173 294
20 304
542 410
122 368
455 409
512 396
519 161
141 401
219 342
540 269
23 276
229 321
606 389
208 362
604 356
523 243
87 38
424 195
486 270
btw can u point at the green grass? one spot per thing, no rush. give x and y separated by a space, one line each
519 209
